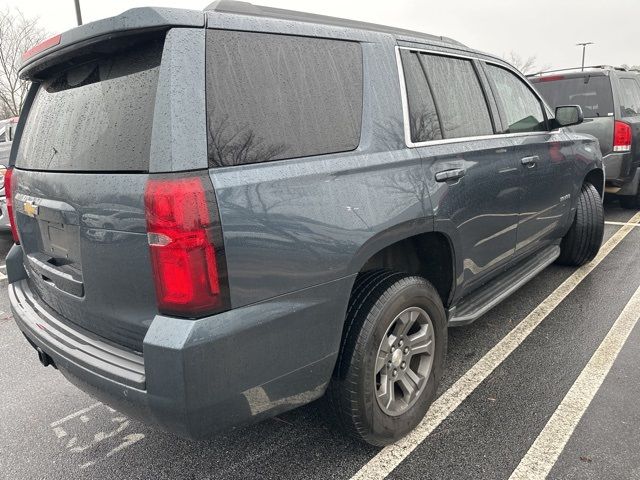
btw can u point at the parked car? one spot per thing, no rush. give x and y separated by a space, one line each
610 101
307 203
7 131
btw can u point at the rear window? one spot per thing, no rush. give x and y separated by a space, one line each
272 97
96 116
444 97
629 97
423 117
459 97
593 94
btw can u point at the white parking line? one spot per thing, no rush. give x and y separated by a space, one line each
544 452
74 415
79 435
622 223
391 456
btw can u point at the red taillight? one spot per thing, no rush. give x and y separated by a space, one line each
187 268
48 43
621 137
8 192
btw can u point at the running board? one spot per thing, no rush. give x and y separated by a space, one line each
481 301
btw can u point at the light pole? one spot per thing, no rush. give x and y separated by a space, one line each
584 49
78 14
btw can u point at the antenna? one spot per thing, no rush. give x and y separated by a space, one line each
584 50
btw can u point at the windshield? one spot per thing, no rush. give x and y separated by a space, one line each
94 117
593 94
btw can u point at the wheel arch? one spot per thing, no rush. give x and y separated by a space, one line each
596 178
419 251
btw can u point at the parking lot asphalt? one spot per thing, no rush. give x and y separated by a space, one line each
51 430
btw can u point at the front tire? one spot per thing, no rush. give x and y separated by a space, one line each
392 356
583 240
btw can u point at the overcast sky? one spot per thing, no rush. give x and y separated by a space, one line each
548 29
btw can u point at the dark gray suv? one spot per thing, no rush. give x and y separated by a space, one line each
223 215
610 101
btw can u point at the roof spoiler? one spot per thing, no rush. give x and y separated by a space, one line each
42 56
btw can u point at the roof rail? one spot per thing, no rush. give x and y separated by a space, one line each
247 8
579 69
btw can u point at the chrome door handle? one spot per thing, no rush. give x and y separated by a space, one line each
530 162
452 174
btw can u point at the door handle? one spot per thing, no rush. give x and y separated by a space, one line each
453 174
65 281
530 162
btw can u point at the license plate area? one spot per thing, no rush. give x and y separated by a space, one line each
50 235
61 242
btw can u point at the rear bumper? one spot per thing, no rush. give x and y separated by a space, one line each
631 187
619 168
198 377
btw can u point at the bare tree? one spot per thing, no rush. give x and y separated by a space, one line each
525 65
17 34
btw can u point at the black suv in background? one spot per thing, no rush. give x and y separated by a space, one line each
222 215
610 101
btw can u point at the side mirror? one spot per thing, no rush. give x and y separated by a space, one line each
568 115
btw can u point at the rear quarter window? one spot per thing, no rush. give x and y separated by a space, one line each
96 116
629 97
272 97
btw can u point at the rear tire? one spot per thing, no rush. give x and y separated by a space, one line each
583 240
392 356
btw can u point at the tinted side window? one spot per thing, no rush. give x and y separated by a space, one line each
272 97
522 109
458 95
629 97
423 118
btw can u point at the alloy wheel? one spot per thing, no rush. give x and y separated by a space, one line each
404 360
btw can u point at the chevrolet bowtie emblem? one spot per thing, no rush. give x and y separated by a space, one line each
30 209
